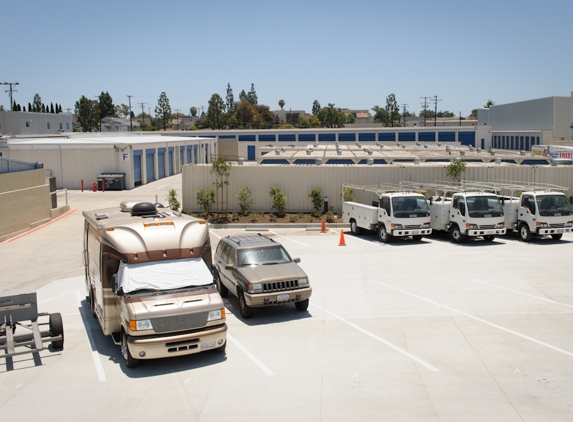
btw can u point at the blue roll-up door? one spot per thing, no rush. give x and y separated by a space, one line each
288 137
189 158
161 163
347 137
469 138
251 153
327 137
447 136
150 164
137 166
387 136
306 137
407 136
170 161
267 138
247 138
427 136
367 137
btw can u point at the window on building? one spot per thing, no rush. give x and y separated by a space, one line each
61 126
48 125
67 126
27 124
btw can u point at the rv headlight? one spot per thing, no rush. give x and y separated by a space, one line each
500 225
140 325
218 314
254 287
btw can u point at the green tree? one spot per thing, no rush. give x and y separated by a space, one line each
346 194
246 114
193 111
282 104
455 169
314 121
252 96
315 196
216 112
163 110
331 116
245 197
242 96
87 113
380 114
205 200
265 118
52 108
230 100
106 107
392 111
315 108
122 111
489 104
303 122
279 200
350 118
37 103
222 170
172 200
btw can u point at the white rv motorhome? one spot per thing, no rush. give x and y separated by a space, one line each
149 282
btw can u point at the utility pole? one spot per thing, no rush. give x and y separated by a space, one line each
69 110
99 102
130 122
425 106
11 90
435 100
142 114
404 106
177 110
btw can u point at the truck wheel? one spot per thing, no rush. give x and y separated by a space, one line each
57 329
557 236
246 310
130 361
489 238
382 234
456 235
301 306
223 291
524 232
354 227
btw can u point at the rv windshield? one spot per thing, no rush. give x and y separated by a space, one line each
410 207
484 206
163 275
553 205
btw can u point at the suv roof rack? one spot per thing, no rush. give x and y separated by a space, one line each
243 240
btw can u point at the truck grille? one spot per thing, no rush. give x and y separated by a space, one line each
412 227
557 225
179 322
486 226
280 285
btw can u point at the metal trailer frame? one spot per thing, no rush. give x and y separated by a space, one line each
379 189
16 308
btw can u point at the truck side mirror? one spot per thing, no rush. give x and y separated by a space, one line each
502 201
431 201
462 208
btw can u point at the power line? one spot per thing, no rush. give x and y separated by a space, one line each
11 90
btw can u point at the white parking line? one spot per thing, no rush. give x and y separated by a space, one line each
56 297
375 337
499 327
249 355
525 294
95 354
286 237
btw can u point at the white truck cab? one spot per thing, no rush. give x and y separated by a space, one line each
536 209
397 212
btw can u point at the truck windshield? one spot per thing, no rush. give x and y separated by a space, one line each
410 207
553 205
484 206
163 275
263 256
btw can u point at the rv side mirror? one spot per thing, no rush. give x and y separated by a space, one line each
114 285
229 267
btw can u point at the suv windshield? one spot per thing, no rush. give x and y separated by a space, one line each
410 207
263 256
484 206
553 205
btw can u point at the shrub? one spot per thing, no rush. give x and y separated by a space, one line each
205 199
245 199
293 218
279 200
330 217
316 197
273 218
172 200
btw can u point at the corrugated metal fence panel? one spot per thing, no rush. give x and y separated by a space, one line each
297 181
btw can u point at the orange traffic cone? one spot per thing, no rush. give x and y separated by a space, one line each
342 243
323 228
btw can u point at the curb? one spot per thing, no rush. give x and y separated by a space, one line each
255 226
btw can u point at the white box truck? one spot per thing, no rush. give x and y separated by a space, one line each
464 210
149 282
536 209
397 212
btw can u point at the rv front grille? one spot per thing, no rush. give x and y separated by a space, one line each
277 286
179 322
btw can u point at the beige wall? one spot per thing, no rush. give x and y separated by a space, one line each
297 181
24 202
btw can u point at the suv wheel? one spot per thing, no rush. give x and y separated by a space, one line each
302 305
246 310
223 291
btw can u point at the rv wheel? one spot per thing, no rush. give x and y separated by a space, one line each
130 361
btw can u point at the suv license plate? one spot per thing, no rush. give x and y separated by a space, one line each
283 298
208 346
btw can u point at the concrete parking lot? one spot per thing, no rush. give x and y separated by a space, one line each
417 331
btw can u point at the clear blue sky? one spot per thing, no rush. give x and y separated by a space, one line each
352 54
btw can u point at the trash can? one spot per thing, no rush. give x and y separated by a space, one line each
112 181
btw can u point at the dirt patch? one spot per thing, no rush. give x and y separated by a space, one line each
262 218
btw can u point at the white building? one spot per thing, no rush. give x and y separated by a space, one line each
30 123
